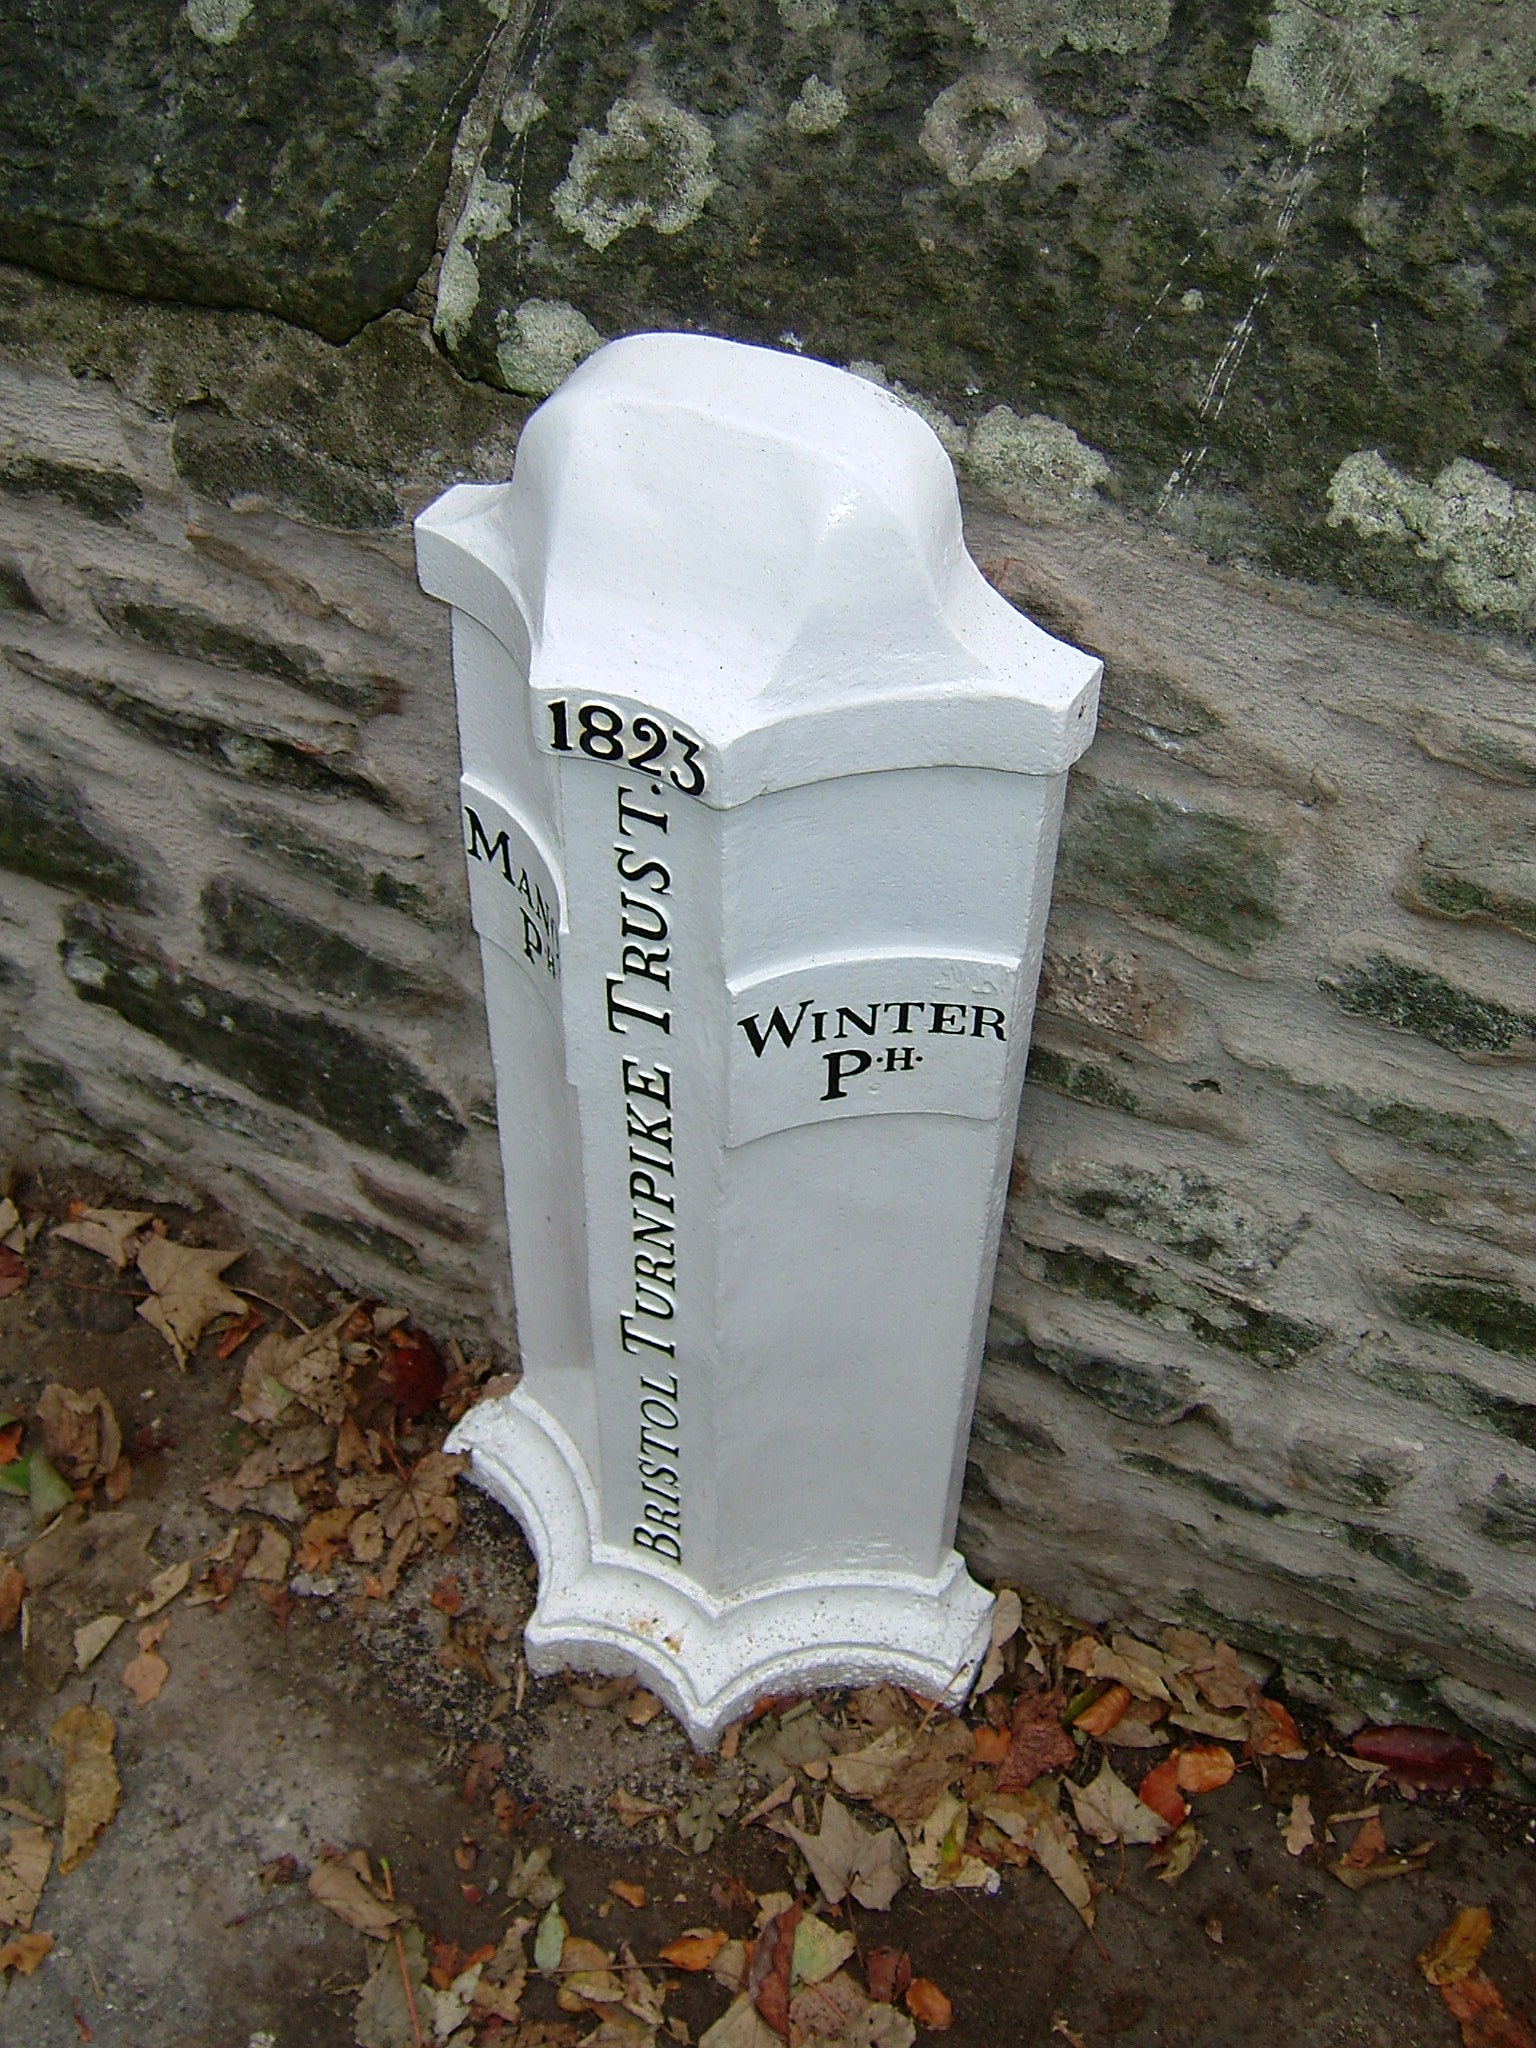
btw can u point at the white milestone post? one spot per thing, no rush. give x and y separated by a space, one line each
762 784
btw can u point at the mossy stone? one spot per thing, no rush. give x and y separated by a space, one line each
1227 1493
1200 871
1132 1391
1267 1337
1416 999
46 834
311 1065
1391 1547
246 926
273 836
99 493
289 155
1509 1513
1486 1312
1081 1080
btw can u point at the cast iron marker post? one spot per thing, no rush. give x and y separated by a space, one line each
762 785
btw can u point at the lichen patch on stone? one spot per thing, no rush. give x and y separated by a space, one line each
487 215
817 109
983 129
1324 70
542 342
1119 27
649 163
217 21
1479 529
1035 458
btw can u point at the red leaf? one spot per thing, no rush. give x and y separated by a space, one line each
412 1374
485 1762
13 1271
235 1336
1425 1756
890 1972
447 1595
1159 1789
1039 1743
768 1978
1485 2020
10 1442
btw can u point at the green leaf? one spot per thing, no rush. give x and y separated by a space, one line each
17 1477
49 1492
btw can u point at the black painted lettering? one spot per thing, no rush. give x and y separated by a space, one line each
664 1518
661 1163
647 1268
652 1443
650 1229
629 1336
778 1024
903 1014
843 1066
659 1541
647 965
942 1013
987 1020
900 1059
666 1420
628 810
655 1386
845 1017
662 1476
643 870
636 1125
496 849
644 1296
643 1188
636 910
657 1085
641 1012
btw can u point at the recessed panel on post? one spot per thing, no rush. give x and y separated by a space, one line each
762 785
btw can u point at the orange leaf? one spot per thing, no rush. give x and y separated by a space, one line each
928 2005
447 1595
1105 1711
1369 1843
695 1951
10 1442
631 1894
24 1953
991 1745
236 1335
1276 1733
1203 1767
1454 1954
13 1588
1159 1789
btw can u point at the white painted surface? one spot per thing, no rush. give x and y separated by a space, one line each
760 734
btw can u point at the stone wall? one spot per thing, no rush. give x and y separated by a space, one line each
1201 300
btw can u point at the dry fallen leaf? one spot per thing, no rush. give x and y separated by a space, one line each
695 1950
23 1873
93 1638
84 1736
1160 1790
865 1773
163 1589
308 1368
339 1887
1007 1614
1108 1709
24 1953
187 1292
113 1233
1110 1811
145 1675
846 1858
1455 1953
1273 1730
928 2005
273 1555
937 1851
1039 1742
1028 1819
1177 1853
80 1432
1298 1829
1202 1768
632 1810
13 1590
630 1894
1485 2020
1368 1861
